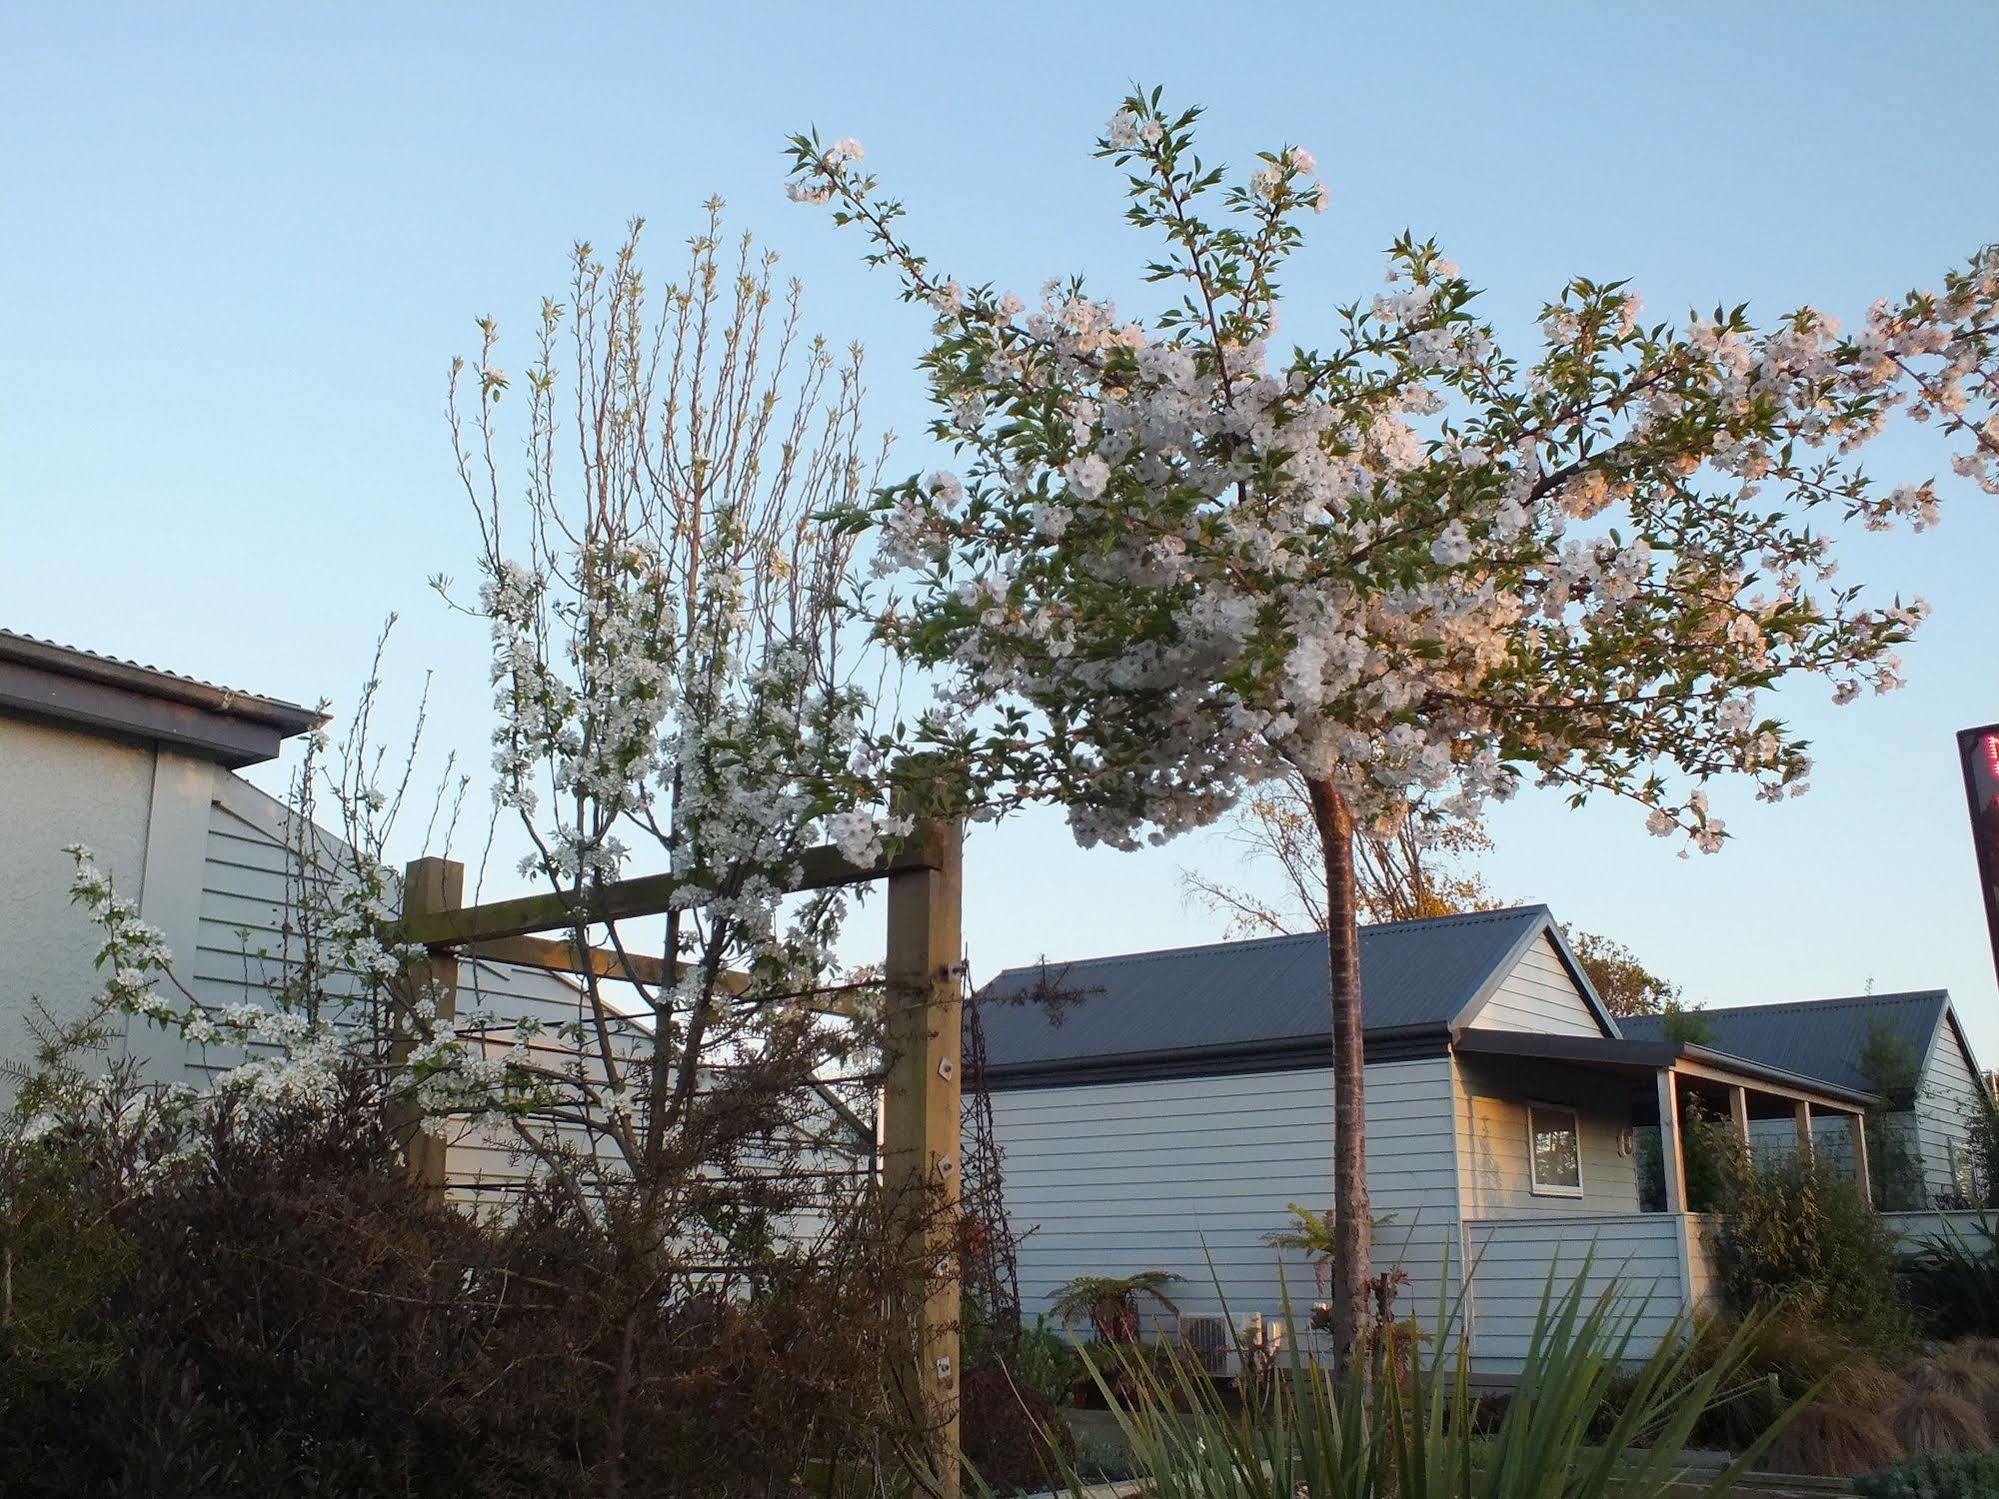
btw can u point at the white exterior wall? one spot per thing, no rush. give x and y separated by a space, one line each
1191 1174
1913 1231
1494 1179
138 810
1947 1101
248 890
1538 996
1654 1264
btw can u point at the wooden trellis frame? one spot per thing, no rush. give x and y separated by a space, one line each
921 1096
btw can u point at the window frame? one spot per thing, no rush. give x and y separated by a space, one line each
1535 1186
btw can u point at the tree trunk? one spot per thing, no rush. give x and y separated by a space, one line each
1353 1223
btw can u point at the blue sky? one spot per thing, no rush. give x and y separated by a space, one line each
242 243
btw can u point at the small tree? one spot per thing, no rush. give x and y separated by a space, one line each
1406 567
676 691
1891 1069
1111 1302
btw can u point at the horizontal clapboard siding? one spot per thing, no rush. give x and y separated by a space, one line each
1539 996
1192 1174
1493 1102
1637 1258
1947 1102
252 883
1913 1231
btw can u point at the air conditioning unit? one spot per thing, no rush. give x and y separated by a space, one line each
1212 1343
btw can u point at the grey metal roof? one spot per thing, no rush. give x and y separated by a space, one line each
1821 1038
1264 995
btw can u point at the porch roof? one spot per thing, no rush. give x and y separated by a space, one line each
1661 1056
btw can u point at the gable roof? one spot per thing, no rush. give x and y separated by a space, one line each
64 684
1231 1006
1821 1038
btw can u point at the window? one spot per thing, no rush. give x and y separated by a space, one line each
1554 1151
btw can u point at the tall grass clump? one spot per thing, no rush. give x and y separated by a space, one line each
1586 1419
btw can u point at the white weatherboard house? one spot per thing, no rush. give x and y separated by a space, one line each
1831 1039
141 765
1165 1109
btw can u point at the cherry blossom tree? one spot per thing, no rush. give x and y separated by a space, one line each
1408 566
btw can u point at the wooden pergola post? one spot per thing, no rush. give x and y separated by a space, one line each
1671 1157
924 976
1738 1115
922 1138
1803 1117
431 885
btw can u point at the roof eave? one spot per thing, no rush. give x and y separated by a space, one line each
66 687
1582 1051
1380 1044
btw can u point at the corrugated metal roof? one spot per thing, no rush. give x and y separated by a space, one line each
177 686
1821 1038
1259 993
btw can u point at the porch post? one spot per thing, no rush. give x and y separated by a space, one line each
1738 1115
1671 1159
1804 1118
1857 1125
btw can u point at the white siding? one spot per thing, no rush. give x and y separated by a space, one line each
1539 995
1191 1174
1493 1151
250 888
1643 1260
1913 1230
1947 1100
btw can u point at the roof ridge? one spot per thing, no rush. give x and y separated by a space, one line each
1831 1002
1460 918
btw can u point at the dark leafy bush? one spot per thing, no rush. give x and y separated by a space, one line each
1964 1475
1046 1361
1014 1436
276 1308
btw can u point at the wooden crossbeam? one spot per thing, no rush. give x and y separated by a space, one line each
820 868
558 956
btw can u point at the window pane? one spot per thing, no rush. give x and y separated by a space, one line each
1557 1153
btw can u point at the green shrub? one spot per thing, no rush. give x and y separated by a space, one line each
277 1308
1047 1362
1962 1475
1428 1436
1794 1235
1953 1284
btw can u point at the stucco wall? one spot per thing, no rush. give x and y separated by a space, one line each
59 787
